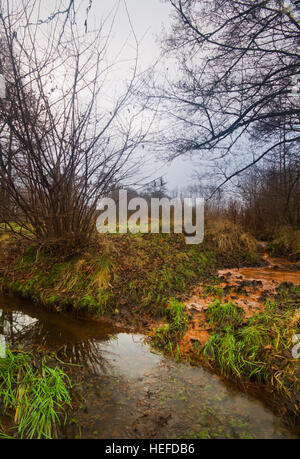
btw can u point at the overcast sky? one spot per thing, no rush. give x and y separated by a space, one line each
148 17
144 21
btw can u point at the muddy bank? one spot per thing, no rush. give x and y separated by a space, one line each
247 287
262 307
122 274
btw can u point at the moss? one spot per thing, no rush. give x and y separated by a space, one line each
52 300
86 302
15 286
29 255
139 272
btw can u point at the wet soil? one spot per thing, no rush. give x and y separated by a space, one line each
246 287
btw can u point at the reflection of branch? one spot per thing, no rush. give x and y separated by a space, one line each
85 353
1 321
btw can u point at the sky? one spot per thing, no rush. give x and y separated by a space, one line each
135 21
148 18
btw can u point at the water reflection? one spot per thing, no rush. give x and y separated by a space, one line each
72 340
80 343
130 355
120 378
15 325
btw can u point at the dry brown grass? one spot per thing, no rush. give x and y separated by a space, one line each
229 239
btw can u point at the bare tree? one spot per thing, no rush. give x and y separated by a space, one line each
237 61
64 142
271 197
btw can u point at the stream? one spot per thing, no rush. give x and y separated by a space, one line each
128 390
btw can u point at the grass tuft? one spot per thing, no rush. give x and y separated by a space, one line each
225 313
35 395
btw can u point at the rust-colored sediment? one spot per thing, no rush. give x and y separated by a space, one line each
246 287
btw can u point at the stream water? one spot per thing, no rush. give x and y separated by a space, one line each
127 390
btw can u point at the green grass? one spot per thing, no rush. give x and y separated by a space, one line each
225 313
238 353
177 315
168 335
139 272
213 290
34 395
258 349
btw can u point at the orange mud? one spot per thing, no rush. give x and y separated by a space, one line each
270 275
248 288
278 270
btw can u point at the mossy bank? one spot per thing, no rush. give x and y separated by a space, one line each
122 275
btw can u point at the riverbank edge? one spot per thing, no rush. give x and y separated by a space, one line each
277 401
141 320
